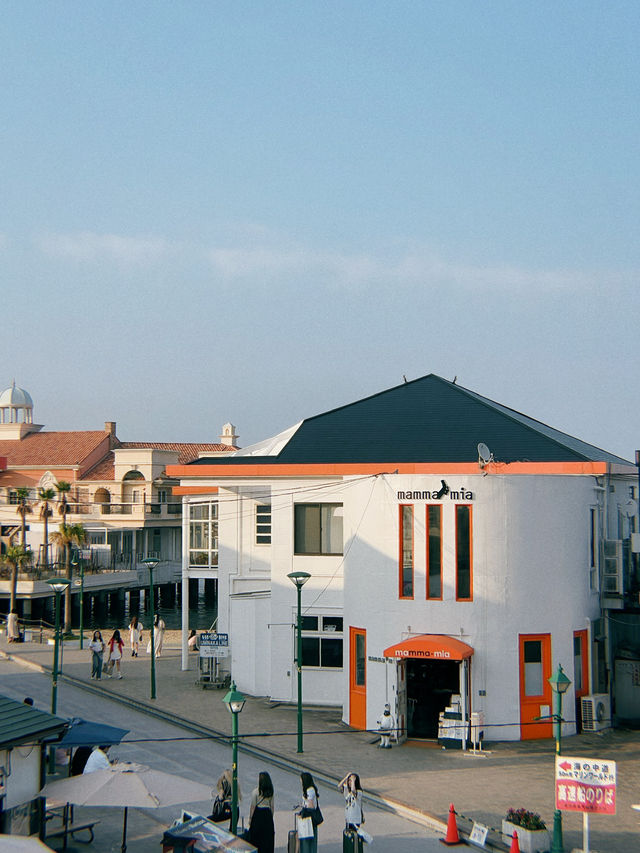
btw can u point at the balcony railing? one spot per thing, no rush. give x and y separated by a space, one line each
136 510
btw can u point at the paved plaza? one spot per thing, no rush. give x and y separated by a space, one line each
414 778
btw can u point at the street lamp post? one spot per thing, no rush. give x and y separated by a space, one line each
151 563
76 561
234 700
58 585
299 579
560 683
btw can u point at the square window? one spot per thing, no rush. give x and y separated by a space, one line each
318 528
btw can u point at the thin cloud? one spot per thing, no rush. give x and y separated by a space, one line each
257 256
408 269
88 247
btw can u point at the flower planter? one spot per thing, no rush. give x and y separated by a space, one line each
529 840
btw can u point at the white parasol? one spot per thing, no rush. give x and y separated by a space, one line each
127 785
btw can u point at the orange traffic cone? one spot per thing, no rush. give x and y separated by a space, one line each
515 844
452 836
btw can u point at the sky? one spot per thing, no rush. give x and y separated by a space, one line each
259 211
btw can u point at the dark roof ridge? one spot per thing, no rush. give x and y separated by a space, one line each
528 422
373 396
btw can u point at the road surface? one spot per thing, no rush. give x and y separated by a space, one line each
174 750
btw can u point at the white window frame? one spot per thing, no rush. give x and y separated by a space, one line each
323 633
207 522
263 524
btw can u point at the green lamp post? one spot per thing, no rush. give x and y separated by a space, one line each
560 683
234 700
58 585
151 563
299 579
76 560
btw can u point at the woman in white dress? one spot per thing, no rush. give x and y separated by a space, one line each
135 635
158 634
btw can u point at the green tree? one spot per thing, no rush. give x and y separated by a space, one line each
45 496
16 557
64 537
23 508
63 488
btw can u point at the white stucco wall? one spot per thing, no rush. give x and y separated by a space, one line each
530 576
22 780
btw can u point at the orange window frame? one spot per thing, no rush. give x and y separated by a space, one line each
429 509
469 508
583 637
401 566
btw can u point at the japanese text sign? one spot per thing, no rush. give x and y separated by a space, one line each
585 785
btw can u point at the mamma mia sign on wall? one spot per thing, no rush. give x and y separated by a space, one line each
459 494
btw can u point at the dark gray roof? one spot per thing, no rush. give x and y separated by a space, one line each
426 420
21 723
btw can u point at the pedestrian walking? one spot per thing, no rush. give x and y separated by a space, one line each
135 636
310 798
261 828
96 647
387 725
13 627
352 791
116 647
158 634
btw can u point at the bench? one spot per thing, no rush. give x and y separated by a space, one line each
71 830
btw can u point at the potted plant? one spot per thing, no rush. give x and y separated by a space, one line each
533 835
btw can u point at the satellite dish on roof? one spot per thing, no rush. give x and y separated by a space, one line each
630 508
484 455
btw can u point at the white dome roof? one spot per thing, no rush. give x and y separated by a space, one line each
16 397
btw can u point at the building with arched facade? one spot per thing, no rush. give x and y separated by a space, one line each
119 491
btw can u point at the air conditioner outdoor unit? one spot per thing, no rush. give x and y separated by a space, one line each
596 712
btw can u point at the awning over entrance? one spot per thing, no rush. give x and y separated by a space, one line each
430 647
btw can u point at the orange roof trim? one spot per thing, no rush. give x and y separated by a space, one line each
194 490
430 647
332 470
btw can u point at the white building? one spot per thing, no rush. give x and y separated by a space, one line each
458 552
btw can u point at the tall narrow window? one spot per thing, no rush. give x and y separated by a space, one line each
406 551
593 550
533 685
263 524
434 551
203 534
464 563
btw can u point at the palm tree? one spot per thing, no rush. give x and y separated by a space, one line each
63 488
16 557
46 495
64 537
23 508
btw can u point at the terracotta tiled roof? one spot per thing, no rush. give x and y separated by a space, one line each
104 470
187 452
47 449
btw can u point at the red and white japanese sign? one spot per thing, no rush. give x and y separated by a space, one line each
585 785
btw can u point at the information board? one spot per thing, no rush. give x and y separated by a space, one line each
212 645
585 785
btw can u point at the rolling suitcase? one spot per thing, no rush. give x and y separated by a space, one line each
351 842
292 841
